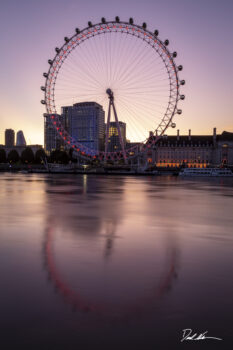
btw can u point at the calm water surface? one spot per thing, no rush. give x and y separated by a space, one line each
115 262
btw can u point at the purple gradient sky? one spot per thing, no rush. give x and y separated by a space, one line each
201 31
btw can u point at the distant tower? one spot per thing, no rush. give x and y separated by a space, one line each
114 140
85 123
20 139
52 141
214 136
9 138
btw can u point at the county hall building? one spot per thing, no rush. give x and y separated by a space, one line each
197 151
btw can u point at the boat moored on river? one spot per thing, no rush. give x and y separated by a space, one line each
205 172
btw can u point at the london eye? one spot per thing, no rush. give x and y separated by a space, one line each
123 69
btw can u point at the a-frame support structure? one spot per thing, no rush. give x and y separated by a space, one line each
112 106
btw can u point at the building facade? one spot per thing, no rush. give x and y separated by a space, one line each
52 141
20 139
198 151
9 138
85 123
114 144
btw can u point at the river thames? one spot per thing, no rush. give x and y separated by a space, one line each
115 262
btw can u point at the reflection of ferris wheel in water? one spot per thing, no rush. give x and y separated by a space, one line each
84 303
126 69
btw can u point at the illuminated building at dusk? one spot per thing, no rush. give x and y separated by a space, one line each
85 123
199 151
114 140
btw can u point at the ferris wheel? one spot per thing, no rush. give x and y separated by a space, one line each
120 69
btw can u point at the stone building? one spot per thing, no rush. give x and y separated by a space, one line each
197 151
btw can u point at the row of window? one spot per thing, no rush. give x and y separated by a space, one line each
183 161
184 145
188 153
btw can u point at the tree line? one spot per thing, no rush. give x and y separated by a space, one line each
28 157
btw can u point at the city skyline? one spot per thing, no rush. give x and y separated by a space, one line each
200 40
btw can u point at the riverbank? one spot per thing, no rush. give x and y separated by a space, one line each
74 169
53 168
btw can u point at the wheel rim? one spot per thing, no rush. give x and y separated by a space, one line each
54 80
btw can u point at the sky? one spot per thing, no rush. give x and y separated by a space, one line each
201 31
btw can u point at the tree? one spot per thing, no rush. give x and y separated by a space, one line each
73 159
54 156
13 156
27 155
2 156
59 157
39 156
63 157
